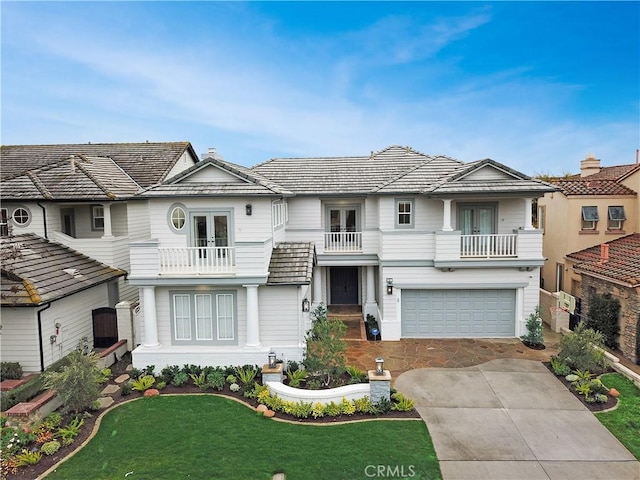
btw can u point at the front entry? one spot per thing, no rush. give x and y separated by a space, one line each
344 285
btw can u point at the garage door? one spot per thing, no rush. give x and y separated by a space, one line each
458 313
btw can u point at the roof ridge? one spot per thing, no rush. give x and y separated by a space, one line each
92 177
403 174
38 184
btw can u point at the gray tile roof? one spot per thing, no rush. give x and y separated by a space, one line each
146 163
393 170
38 275
249 182
86 178
292 263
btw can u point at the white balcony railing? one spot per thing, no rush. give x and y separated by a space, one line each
343 241
488 246
196 260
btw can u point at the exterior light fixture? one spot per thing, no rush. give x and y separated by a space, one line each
306 305
379 366
248 209
272 359
389 286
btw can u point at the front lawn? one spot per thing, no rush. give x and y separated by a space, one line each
624 421
205 436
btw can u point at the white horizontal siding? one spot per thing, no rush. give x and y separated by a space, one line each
305 213
19 339
36 225
280 315
408 245
184 162
138 224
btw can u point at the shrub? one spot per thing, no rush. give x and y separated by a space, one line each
318 410
559 367
296 377
247 374
356 375
143 383
216 380
325 346
580 350
292 365
534 329
77 383
161 384
51 421
402 403
604 311
169 372
69 432
23 393
383 406
363 405
10 371
51 447
234 387
105 374
199 380
332 409
13 440
27 457
179 379
192 369
125 389
347 407
231 379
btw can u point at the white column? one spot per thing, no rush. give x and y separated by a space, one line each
317 285
527 214
446 216
253 316
107 220
150 321
371 287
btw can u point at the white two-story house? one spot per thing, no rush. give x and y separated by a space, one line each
80 196
430 246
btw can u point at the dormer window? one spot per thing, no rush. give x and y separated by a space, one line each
589 218
616 218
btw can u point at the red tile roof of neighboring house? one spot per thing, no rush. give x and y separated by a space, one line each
608 173
588 186
622 266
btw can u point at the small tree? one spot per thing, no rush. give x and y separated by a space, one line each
534 334
325 346
579 350
604 311
77 383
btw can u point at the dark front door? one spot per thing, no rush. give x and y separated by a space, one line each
105 327
344 285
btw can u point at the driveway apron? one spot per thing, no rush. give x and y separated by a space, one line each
512 419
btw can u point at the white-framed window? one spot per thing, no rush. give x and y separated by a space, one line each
21 216
4 222
178 218
589 218
279 213
616 218
97 217
404 213
203 317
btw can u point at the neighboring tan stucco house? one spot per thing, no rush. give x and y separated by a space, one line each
431 246
613 268
596 206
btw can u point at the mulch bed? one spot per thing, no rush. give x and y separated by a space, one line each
46 462
594 407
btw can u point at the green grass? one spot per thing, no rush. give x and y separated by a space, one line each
209 437
624 421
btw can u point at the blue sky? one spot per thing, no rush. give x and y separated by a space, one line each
534 85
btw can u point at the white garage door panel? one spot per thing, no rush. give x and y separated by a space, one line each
458 313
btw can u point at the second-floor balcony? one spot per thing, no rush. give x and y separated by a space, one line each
343 242
196 260
488 246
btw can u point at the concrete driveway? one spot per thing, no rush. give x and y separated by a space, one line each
512 419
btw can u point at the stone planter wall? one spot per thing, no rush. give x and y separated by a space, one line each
350 392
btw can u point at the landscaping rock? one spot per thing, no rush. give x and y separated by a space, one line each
261 408
122 378
110 390
269 413
613 392
104 402
152 392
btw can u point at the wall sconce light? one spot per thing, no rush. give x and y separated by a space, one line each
389 286
248 209
379 366
272 359
306 305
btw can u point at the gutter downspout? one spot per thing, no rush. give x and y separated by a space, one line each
40 335
44 220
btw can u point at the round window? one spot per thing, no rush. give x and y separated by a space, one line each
21 216
178 218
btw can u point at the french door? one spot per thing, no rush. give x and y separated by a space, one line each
209 230
343 219
477 219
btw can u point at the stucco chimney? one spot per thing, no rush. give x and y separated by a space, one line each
604 253
72 159
589 165
212 152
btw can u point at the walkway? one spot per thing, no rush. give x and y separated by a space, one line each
511 419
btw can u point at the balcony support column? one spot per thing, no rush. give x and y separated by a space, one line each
446 215
371 303
150 320
317 286
253 317
107 220
527 214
